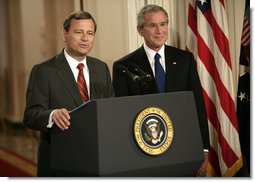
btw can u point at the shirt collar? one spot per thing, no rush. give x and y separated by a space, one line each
151 53
73 62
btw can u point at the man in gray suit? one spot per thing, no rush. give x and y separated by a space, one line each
52 88
177 66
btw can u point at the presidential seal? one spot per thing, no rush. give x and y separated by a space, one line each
153 131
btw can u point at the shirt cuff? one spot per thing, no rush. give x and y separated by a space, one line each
50 122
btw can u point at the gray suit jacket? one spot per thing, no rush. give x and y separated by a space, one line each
52 86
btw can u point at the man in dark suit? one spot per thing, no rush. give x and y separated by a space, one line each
179 69
52 88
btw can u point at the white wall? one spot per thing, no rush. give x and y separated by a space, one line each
111 36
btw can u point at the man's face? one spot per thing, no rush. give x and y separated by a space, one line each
155 30
80 38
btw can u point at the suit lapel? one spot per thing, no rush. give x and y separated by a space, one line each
65 74
171 60
92 78
143 62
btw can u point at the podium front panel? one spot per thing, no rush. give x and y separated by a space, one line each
106 145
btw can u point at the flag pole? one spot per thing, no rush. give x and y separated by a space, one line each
81 5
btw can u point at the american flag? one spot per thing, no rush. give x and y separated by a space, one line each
243 94
207 39
246 32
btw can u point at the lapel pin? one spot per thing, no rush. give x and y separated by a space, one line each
174 62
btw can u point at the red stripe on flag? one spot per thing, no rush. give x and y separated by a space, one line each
220 37
192 19
215 163
222 2
227 153
246 32
226 101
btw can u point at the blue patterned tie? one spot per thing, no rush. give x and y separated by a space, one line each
159 74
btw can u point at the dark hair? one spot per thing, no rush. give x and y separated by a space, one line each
78 15
148 9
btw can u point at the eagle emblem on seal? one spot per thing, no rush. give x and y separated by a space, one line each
153 131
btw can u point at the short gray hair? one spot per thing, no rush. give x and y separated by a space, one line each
148 9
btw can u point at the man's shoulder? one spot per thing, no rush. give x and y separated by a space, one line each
46 63
174 53
95 60
175 49
172 49
96 64
50 64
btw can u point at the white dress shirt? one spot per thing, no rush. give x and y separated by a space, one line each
73 63
151 54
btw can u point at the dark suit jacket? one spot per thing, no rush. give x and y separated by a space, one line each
181 75
52 86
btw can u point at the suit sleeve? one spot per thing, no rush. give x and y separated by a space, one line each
37 110
195 85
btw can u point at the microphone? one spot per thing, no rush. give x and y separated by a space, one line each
122 69
143 75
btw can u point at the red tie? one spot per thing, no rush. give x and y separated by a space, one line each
81 83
